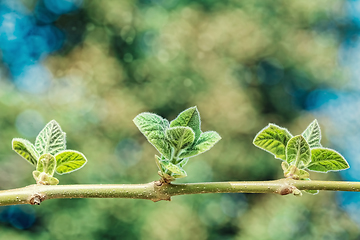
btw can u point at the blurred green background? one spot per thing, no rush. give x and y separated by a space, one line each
94 65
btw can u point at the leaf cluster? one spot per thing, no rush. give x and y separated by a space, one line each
49 154
300 153
176 141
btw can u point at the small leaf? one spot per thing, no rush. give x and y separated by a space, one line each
183 162
285 166
273 139
52 181
294 173
312 192
206 141
36 175
51 139
153 127
177 172
325 160
46 164
45 179
298 152
180 137
312 134
69 161
189 118
158 163
302 174
25 149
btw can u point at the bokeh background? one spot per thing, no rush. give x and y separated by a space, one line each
94 65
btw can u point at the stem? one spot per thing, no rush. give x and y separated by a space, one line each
156 191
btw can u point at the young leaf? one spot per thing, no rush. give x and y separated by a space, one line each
25 149
153 127
51 139
46 164
206 141
183 162
293 172
298 151
69 161
312 134
180 137
325 160
158 161
52 181
189 118
273 139
177 172
44 178
312 192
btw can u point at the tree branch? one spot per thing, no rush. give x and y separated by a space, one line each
157 191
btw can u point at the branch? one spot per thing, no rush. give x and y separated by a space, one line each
156 191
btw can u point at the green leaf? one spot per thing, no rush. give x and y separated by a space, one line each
180 137
52 181
298 152
46 164
183 162
302 174
45 179
206 141
312 192
69 161
25 149
189 118
36 174
312 134
177 172
153 127
325 160
293 172
158 163
51 139
273 139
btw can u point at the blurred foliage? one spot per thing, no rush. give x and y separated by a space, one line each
242 63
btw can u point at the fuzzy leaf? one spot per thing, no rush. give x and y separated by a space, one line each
189 118
298 152
206 141
180 137
153 127
325 160
45 179
177 172
273 139
51 139
46 164
25 149
69 161
183 162
52 181
158 163
312 134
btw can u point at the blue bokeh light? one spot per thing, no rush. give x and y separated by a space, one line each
21 217
341 107
60 7
27 38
